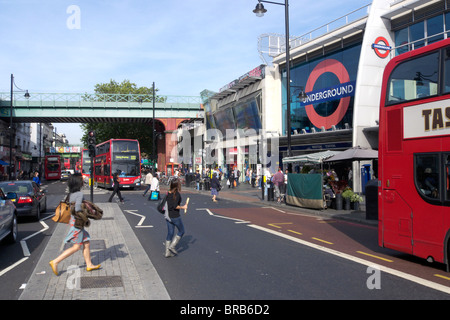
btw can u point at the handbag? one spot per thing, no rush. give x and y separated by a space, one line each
63 211
162 204
154 195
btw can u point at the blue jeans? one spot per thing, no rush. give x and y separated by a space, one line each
146 189
176 222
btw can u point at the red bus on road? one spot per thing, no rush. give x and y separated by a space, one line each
52 167
414 153
121 156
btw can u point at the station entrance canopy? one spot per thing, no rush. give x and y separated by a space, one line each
96 108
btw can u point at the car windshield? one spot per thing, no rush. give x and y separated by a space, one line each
17 187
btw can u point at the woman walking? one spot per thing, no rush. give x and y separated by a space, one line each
154 186
77 234
215 187
173 218
116 186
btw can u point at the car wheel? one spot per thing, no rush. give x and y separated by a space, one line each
12 237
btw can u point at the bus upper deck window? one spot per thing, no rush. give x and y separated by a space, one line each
447 71
414 79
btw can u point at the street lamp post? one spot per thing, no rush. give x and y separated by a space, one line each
259 11
155 158
11 131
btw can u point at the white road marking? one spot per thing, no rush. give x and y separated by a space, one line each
391 271
139 225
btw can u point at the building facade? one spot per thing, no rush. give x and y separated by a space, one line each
338 70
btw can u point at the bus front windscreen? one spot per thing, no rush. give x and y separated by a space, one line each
125 158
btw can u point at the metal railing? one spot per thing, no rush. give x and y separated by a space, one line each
277 45
97 97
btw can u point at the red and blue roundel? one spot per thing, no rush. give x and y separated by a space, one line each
344 91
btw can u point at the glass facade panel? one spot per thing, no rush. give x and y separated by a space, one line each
435 29
417 34
329 83
402 41
447 23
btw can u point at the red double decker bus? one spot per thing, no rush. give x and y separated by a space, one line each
52 167
121 156
414 154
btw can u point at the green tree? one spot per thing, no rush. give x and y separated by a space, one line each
106 131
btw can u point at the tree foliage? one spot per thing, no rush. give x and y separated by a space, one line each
106 131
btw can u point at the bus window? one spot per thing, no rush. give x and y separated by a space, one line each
447 177
414 79
427 175
447 70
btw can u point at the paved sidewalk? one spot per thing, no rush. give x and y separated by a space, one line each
126 271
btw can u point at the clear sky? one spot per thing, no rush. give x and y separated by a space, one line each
184 46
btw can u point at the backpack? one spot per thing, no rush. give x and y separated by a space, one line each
162 204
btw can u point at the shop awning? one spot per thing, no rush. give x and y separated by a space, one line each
3 163
318 157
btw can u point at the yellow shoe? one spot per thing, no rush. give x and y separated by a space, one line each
93 268
55 270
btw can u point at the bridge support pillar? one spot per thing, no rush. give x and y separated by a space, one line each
167 149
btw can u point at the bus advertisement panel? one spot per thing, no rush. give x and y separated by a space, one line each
121 156
414 154
52 167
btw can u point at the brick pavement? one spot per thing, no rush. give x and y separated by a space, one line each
126 271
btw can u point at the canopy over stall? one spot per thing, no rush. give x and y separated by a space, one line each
318 157
355 153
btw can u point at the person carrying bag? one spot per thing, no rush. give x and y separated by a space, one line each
77 234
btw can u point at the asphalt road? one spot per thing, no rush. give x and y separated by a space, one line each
240 251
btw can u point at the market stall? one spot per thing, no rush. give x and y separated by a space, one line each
306 190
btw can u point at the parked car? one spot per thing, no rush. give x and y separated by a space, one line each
30 200
65 174
8 217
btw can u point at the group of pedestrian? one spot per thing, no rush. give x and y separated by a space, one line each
80 238
152 183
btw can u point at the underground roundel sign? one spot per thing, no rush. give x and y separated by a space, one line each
344 91
381 47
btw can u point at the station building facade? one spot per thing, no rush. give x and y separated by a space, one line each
335 81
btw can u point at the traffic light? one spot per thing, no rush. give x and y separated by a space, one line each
91 143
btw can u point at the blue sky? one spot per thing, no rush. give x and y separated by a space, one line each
183 46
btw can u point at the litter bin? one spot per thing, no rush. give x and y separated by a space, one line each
372 200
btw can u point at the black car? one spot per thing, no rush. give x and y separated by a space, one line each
8 218
30 200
